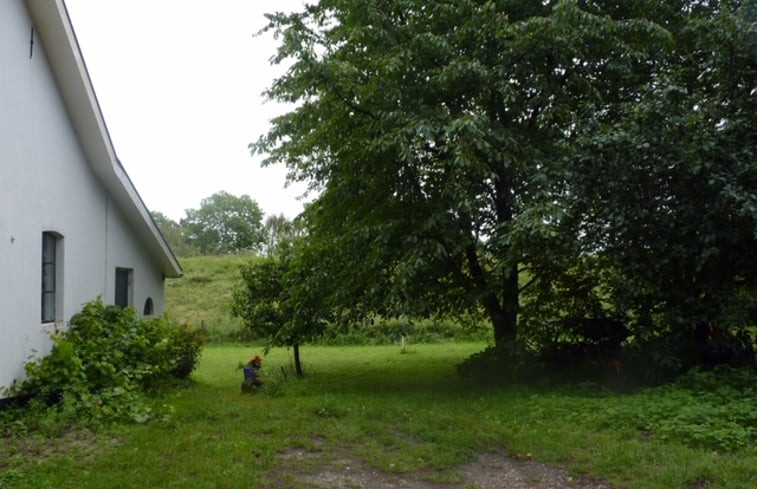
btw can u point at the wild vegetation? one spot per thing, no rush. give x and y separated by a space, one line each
103 365
202 297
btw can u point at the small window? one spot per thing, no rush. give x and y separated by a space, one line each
123 287
147 311
50 276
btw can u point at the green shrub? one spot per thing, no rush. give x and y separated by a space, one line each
187 346
101 367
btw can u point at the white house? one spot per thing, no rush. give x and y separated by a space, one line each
72 225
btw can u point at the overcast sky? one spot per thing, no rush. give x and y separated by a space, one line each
179 83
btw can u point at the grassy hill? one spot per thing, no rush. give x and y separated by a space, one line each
202 297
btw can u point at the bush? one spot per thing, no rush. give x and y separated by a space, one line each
187 346
102 366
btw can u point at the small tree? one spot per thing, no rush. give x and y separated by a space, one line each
225 223
273 308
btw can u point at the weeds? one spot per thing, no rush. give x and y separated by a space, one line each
713 410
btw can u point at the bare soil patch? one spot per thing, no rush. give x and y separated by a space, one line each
492 470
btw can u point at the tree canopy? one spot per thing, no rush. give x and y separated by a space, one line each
267 300
224 223
279 233
468 151
174 233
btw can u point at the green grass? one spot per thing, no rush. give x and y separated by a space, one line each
202 297
394 412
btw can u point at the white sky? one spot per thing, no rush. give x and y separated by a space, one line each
179 83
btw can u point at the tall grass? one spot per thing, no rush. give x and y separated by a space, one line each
202 297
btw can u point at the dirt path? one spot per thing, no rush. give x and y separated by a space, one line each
495 470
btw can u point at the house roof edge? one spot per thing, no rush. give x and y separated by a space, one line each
55 30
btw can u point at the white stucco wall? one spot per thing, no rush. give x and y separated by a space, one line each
46 184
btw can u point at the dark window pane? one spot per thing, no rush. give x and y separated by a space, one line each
49 243
147 311
48 308
122 287
48 277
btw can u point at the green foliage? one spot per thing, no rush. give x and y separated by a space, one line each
224 223
453 143
382 331
260 300
187 343
175 234
101 367
268 303
280 234
663 186
713 410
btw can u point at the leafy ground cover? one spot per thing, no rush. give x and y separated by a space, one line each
399 415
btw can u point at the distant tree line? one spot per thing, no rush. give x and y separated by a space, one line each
224 223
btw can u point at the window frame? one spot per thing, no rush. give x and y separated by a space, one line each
51 275
128 294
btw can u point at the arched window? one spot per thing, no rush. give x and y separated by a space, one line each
148 309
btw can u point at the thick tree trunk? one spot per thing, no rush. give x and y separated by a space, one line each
297 364
505 317
504 313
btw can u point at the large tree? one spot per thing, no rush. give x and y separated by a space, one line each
443 138
667 188
225 223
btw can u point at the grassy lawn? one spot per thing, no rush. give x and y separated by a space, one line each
394 412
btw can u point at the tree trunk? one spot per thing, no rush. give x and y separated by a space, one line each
505 316
510 308
297 364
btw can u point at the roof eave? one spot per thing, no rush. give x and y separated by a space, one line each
54 28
